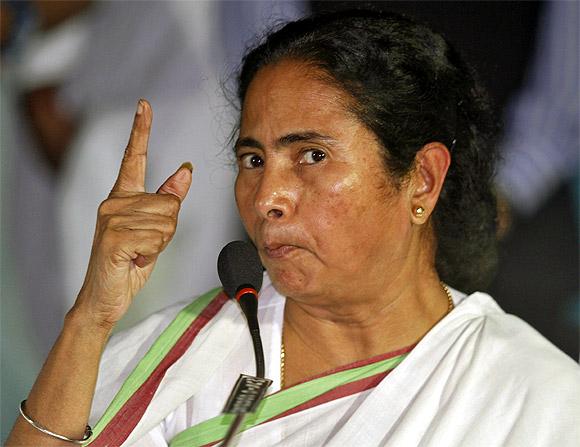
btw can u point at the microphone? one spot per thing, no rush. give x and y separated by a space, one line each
241 273
239 268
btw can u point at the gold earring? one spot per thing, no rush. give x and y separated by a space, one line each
419 211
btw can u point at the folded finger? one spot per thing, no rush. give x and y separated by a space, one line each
162 205
163 224
127 244
143 261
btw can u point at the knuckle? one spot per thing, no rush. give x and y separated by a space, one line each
156 240
105 222
132 153
169 225
104 207
113 221
167 238
112 205
168 235
174 203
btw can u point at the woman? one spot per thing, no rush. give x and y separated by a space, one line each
365 164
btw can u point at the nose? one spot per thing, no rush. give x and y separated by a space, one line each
276 196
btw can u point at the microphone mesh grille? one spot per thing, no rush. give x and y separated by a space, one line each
239 265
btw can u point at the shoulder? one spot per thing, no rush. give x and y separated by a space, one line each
517 371
509 339
503 380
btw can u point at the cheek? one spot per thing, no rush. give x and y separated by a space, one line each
355 194
356 215
339 208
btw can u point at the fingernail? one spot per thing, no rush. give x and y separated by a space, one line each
140 107
187 165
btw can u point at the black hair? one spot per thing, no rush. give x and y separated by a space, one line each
409 87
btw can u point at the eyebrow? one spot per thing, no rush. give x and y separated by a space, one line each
247 142
284 140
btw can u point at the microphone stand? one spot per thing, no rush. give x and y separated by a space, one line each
232 431
249 304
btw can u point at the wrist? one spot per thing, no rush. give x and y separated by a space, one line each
82 321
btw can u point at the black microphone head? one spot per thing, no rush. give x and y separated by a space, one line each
239 266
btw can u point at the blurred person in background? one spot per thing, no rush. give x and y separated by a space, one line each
40 41
541 138
538 183
72 72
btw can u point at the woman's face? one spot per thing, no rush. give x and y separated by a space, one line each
312 189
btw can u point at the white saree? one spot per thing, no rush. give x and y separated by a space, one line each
480 377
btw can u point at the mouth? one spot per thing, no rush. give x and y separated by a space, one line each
276 251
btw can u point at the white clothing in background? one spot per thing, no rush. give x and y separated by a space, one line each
541 145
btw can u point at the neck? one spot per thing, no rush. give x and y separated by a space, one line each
318 338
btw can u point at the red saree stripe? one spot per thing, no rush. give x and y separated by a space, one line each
120 427
341 391
357 364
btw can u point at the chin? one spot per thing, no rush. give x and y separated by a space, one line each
289 282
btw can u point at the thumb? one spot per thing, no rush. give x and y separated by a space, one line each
178 183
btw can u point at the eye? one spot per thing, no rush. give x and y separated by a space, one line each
251 161
312 156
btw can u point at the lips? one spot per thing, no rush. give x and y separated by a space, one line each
279 250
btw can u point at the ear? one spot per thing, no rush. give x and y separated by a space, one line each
431 165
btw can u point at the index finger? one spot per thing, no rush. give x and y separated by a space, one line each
131 177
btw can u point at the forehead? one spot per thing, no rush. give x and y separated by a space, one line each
294 96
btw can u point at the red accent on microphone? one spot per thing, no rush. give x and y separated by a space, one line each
245 290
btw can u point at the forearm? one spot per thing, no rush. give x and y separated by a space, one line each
61 397
133 228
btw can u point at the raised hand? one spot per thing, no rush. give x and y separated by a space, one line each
133 228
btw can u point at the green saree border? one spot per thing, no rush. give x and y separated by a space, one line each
275 404
153 357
